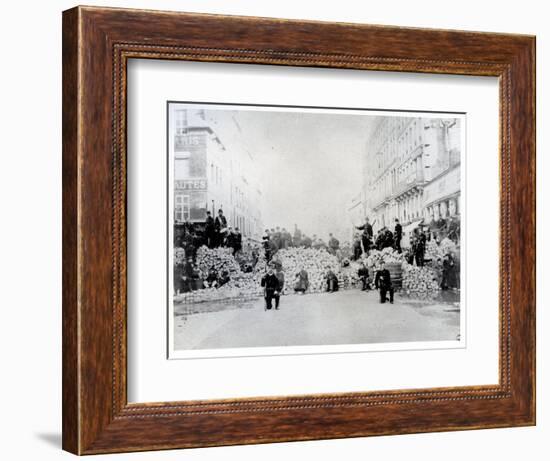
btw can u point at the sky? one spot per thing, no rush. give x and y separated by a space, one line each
309 166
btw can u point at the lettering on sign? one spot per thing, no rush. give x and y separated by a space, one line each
186 140
190 184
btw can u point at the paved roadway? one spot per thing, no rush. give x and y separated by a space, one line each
345 317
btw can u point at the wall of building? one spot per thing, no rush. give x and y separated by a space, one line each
214 170
411 167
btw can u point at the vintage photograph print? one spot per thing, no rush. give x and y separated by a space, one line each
313 230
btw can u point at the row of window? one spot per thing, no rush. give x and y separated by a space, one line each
182 208
396 138
216 175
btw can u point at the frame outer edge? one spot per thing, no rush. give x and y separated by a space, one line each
90 423
70 191
522 234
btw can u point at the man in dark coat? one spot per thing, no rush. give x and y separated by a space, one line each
453 229
363 274
380 239
211 281
178 278
224 278
266 239
449 275
270 282
220 226
237 240
306 242
302 282
388 239
209 230
332 281
230 239
398 235
383 283
187 276
420 247
367 235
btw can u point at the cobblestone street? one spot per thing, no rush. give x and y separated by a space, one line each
345 317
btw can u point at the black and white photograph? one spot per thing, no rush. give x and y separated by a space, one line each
308 229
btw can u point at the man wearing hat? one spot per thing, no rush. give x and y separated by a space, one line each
398 235
383 283
220 226
270 282
209 230
367 235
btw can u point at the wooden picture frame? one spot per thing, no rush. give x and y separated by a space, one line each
97 43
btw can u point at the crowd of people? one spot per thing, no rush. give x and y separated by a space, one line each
385 238
278 238
215 233
415 251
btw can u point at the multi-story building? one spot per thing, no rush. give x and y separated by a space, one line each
213 169
411 170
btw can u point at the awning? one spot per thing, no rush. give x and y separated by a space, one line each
413 225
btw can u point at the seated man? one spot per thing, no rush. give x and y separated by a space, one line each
211 280
383 283
301 282
223 279
332 281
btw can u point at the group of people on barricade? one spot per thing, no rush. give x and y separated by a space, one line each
213 233
278 238
218 234
187 277
385 238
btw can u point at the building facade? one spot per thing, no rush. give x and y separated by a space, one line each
213 170
411 170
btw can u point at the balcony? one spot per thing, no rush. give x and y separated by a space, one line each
406 187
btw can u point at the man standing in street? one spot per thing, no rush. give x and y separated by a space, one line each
270 282
363 274
398 235
383 283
